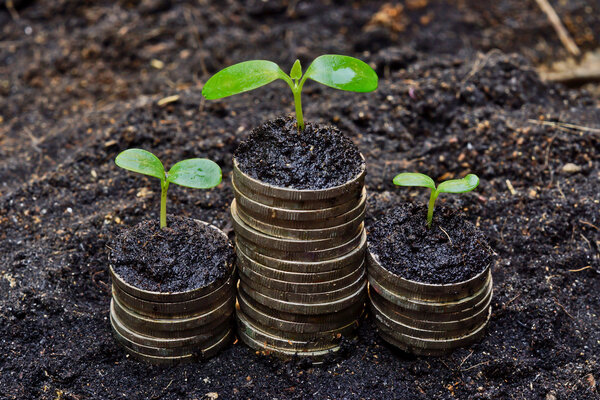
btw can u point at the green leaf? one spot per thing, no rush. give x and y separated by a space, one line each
414 179
141 161
242 77
296 72
342 72
199 173
463 185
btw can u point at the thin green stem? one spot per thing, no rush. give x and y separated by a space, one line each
298 102
297 91
432 199
164 186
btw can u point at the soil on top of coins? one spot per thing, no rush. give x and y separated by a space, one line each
452 250
458 93
183 256
319 157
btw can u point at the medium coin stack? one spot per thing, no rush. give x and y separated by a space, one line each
301 262
428 319
173 327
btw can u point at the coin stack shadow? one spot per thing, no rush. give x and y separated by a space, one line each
428 319
173 327
301 258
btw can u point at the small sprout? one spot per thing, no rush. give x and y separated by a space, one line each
463 185
198 173
338 72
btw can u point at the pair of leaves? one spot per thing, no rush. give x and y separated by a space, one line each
463 185
336 71
198 173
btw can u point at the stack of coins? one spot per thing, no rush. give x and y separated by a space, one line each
301 262
173 327
428 319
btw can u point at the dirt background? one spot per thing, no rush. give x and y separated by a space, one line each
82 80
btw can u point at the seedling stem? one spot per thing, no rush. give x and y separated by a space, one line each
463 185
198 173
164 187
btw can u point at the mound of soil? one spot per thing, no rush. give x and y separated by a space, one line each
183 256
320 157
451 251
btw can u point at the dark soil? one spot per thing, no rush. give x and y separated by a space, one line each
318 158
451 251
81 85
183 256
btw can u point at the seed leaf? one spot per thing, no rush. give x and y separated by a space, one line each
414 179
241 77
199 173
342 72
463 185
296 72
141 161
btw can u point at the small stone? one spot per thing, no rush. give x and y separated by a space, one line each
144 192
212 395
570 168
550 396
157 64
167 100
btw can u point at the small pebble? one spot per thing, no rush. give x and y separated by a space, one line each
571 168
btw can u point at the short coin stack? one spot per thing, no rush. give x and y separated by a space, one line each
301 262
168 328
428 319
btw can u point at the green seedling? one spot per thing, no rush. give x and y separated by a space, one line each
198 173
463 185
339 72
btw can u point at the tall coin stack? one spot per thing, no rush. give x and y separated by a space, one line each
301 259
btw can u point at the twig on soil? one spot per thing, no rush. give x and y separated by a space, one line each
448 236
563 308
580 269
477 66
586 240
546 162
34 139
560 190
476 365
510 187
446 365
104 286
166 100
558 26
590 224
564 126
510 301
465 359
11 10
